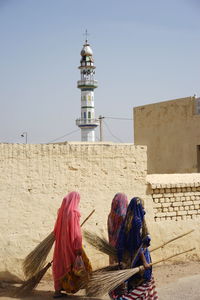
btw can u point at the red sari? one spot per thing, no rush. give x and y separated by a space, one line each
115 218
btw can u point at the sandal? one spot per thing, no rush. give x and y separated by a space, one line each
58 295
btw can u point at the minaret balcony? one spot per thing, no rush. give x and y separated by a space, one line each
87 122
87 84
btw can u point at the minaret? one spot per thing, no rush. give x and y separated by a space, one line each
87 123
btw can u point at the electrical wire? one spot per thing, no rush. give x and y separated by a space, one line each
111 132
106 125
67 134
116 118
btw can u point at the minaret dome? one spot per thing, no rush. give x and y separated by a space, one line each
86 50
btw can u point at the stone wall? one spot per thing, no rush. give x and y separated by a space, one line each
34 179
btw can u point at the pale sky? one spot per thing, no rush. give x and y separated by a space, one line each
145 51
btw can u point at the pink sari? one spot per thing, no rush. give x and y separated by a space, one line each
68 238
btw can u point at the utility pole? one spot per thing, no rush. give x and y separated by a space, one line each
101 127
25 134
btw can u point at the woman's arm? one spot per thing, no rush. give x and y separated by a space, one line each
144 262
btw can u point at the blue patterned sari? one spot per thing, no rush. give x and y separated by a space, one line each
131 238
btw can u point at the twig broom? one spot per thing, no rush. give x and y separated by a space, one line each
101 283
101 243
32 282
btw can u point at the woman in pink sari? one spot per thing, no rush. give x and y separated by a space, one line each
68 247
117 214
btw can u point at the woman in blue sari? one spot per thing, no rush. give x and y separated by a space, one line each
132 249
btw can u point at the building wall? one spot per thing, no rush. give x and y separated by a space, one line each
176 210
35 178
171 132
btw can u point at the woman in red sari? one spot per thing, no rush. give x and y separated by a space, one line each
116 218
68 247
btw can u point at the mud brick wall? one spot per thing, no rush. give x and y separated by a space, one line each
35 178
176 202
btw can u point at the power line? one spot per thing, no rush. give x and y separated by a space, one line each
118 118
111 132
69 133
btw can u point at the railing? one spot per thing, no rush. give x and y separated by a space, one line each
85 122
93 83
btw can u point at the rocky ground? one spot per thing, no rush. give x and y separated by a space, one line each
174 282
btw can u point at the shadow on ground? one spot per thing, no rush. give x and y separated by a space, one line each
9 290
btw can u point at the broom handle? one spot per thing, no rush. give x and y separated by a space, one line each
178 237
83 223
164 259
87 217
136 254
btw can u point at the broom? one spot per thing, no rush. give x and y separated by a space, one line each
36 259
101 243
32 282
101 283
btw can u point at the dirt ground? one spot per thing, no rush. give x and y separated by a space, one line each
173 282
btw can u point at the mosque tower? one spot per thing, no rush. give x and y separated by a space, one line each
87 123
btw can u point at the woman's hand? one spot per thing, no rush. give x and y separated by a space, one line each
121 266
146 266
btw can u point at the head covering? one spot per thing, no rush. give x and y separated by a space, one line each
116 217
68 236
130 236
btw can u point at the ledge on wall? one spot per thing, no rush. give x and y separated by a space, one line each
158 181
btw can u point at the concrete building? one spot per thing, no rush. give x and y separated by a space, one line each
171 131
87 123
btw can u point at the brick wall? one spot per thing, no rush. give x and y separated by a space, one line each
176 203
175 197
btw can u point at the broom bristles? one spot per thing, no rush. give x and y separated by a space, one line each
36 259
102 283
31 283
100 243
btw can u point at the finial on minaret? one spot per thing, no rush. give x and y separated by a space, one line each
86 35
